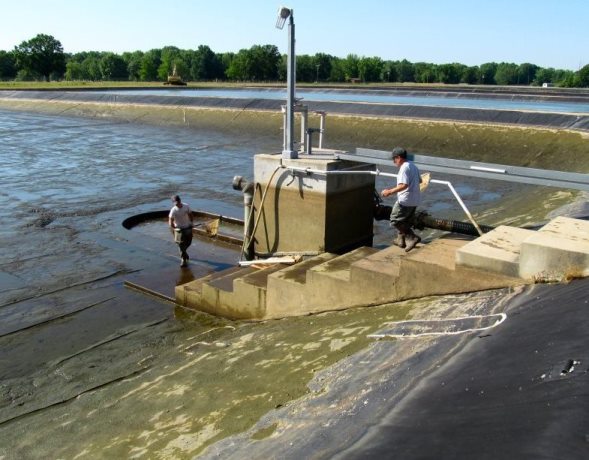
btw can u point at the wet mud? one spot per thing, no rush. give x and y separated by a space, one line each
92 369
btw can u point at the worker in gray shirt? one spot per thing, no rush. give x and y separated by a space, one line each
408 198
180 221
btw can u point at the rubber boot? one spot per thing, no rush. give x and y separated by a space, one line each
400 240
411 241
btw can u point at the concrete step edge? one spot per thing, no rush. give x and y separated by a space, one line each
224 280
340 267
259 277
297 273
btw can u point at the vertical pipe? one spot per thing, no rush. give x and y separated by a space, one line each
284 128
289 152
304 124
321 128
248 199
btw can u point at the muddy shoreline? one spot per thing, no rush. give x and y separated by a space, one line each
90 368
492 140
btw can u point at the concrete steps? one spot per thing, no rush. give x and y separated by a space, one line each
287 288
315 285
329 284
378 273
250 291
432 270
365 276
497 251
559 250
504 257
190 294
237 293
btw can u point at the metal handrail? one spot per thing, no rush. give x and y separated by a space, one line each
377 172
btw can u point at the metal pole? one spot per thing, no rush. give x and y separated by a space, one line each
321 129
289 152
461 203
304 123
284 130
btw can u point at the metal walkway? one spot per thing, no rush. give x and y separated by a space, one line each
549 178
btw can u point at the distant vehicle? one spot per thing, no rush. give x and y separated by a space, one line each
175 79
547 85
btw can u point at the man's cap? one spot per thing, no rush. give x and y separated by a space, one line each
399 152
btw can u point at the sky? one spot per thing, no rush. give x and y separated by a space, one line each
546 33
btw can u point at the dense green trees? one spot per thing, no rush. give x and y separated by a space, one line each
259 63
43 57
584 76
7 66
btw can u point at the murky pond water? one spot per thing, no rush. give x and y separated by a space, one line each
82 357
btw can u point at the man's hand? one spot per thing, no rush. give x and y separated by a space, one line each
391 191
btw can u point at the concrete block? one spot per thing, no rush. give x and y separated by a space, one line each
189 294
378 273
559 250
216 292
432 270
311 211
248 298
440 252
330 285
287 288
497 251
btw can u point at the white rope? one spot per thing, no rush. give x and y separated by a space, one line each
502 317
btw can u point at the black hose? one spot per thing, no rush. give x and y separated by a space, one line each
423 220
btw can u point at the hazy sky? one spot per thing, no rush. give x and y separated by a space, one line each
547 33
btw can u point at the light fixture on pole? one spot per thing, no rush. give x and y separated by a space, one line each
284 13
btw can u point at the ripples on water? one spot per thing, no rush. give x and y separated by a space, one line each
80 166
72 165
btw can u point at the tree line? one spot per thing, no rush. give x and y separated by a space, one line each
43 58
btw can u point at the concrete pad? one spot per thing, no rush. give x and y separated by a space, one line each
378 273
432 270
339 268
567 227
497 251
441 252
385 261
558 251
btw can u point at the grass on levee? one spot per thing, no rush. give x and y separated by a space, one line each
83 84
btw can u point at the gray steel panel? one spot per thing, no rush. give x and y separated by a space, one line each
550 178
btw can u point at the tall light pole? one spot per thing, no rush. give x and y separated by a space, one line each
317 77
284 14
